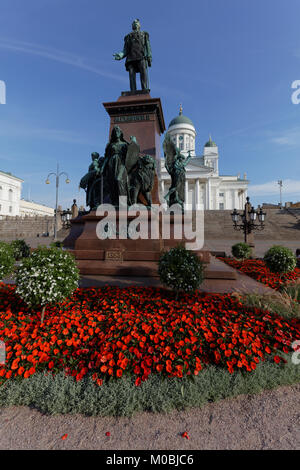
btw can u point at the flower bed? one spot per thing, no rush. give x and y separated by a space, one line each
258 270
112 331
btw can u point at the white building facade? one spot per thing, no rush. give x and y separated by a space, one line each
204 186
10 194
11 203
30 208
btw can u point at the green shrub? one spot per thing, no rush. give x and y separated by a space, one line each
20 249
48 276
57 244
180 269
7 260
280 259
241 250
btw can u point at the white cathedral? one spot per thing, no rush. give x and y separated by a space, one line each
203 186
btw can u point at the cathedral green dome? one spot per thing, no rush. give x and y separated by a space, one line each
181 119
210 143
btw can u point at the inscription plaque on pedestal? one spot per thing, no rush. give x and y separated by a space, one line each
114 255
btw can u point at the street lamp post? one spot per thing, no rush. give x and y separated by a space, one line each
280 191
248 221
57 176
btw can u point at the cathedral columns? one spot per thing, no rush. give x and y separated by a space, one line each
162 188
197 193
186 192
208 194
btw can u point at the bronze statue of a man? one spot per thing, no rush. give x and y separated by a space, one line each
137 51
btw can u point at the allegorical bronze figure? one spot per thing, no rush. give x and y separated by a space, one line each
141 180
91 181
121 172
113 167
175 164
137 51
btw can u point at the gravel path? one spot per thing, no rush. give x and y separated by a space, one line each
270 420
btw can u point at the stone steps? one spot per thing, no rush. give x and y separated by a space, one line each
215 269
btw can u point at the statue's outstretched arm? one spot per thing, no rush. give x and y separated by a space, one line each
122 54
119 55
187 160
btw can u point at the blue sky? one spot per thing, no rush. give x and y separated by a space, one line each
230 62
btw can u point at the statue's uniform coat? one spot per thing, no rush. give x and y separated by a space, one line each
137 51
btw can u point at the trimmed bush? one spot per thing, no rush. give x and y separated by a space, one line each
7 260
57 244
241 250
20 249
180 269
48 276
280 259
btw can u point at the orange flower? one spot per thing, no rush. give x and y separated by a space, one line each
15 364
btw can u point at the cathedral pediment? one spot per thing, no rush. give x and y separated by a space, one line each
199 168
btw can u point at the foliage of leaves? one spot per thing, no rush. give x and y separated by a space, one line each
280 259
241 250
7 260
180 269
48 276
57 244
20 249
122 398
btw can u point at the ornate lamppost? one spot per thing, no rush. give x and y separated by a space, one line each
57 176
248 222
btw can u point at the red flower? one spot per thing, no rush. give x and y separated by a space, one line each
141 330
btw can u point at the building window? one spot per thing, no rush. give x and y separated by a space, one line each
0 191
10 195
221 206
10 209
221 194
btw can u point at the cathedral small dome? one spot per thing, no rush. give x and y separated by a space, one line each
210 143
181 119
